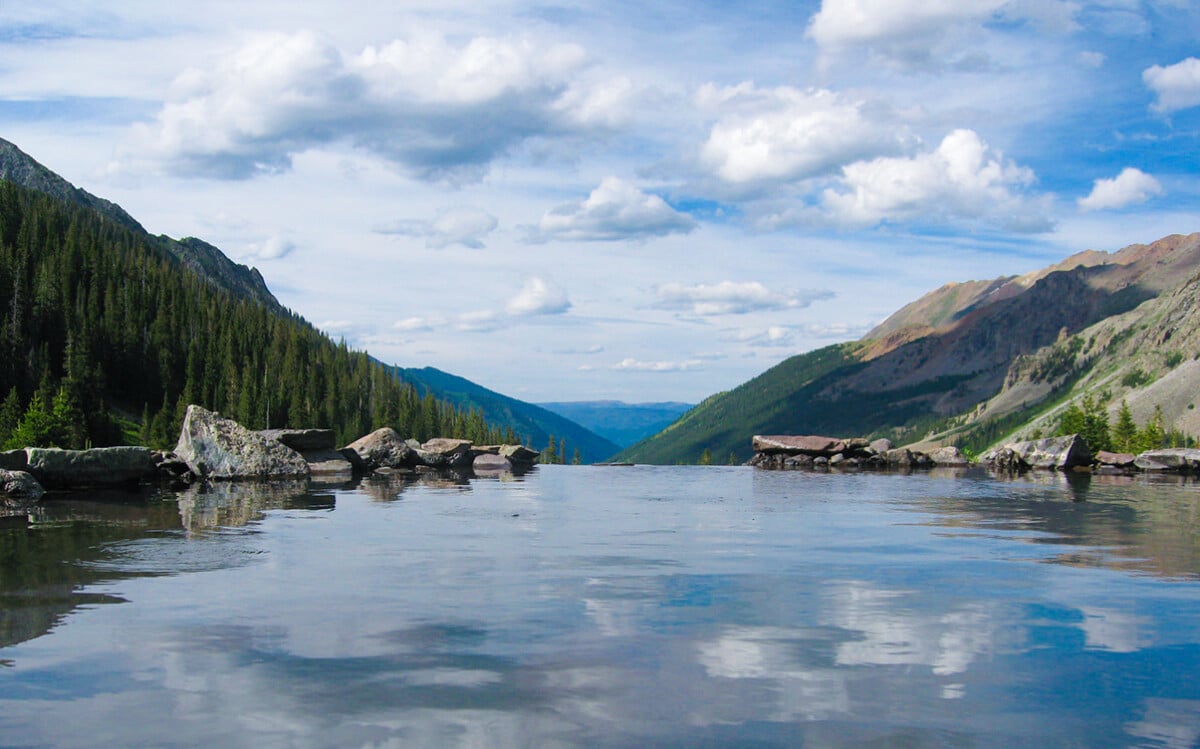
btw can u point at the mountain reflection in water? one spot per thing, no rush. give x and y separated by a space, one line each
587 606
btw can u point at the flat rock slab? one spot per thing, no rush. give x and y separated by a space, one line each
329 463
1108 458
799 444
101 466
1170 459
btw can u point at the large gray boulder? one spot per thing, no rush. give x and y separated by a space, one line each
19 488
444 452
101 466
488 464
383 448
519 455
1054 453
1182 459
218 448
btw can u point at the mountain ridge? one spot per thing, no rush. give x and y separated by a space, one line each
927 374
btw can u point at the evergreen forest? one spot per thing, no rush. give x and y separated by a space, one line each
105 338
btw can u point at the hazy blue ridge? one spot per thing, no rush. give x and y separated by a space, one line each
532 424
619 422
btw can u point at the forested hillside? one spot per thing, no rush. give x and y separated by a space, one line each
106 336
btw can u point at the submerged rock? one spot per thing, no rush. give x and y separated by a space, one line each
218 448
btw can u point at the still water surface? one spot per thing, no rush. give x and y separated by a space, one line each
609 607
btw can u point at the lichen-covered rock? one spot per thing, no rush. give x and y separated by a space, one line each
218 448
101 466
19 488
384 448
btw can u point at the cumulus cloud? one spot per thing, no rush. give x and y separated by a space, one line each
636 365
1176 86
923 34
963 179
538 297
1130 187
461 226
615 211
417 102
768 136
272 248
771 336
732 298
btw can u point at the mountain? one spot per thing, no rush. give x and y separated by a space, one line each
203 259
533 425
621 423
974 363
102 321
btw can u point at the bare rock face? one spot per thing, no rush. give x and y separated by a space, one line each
19 488
218 448
101 466
383 448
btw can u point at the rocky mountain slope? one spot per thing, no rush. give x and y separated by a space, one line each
972 363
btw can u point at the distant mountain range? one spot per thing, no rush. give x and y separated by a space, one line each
618 422
980 362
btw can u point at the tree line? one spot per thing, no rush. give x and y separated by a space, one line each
1090 420
105 338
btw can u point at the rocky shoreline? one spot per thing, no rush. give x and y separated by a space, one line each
213 448
1069 453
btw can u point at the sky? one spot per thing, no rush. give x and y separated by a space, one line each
639 201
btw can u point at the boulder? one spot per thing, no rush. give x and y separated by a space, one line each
948 455
798 444
218 448
1118 460
880 446
444 452
898 457
329 464
19 488
383 448
1004 459
489 463
1054 453
13 460
302 440
1182 459
102 466
795 462
519 454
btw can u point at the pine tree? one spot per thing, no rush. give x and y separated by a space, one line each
1153 434
706 457
549 456
1125 432
1095 424
10 414
1072 420
36 427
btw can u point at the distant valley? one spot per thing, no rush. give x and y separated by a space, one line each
620 423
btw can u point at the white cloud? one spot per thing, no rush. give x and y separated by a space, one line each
538 297
272 248
924 34
416 102
479 321
732 298
636 365
615 211
771 336
1176 86
1092 59
768 136
1130 187
962 180
415 324
461 226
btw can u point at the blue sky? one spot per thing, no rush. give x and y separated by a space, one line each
640 201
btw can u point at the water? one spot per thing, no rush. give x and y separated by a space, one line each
609 607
